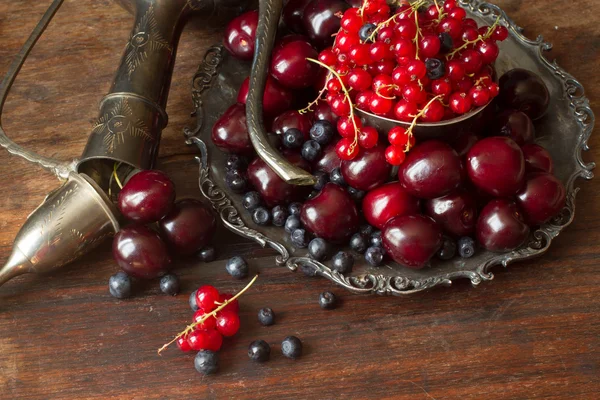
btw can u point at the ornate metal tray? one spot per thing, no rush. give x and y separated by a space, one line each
564 132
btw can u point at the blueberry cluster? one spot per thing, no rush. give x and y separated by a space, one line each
120 285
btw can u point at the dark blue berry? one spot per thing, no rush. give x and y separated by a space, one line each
266 316
435 68
327 300
293 138
236 163
446 42
192 301
366 230
261 216
119 285
169 284
279 214
251 200
311 150
336 177
207 254
236 181
357 195
374 256
365 31
318 249
237 267
322 179
342 262
292 223
291 347
259 351
322 132
376 239
448 249
295 208
299 238
358 243
466 247
206 362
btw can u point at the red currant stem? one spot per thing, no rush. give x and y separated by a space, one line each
386 86
385 23
414 121
213 313
437 6
346 94
479 39
317 99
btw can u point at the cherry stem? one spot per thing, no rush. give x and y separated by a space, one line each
213 313
116 175
414 121
480 38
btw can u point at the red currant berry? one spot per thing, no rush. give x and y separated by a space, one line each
489 51
385 67
483 30
334 85
368 137
206 296
479 95
470 22
449 5
429 45
228 323
380 51
183 344
494 89
405 111
340 105
404 12
417 69
458 13
359 79
451 26
500 34
328 57
456 70
469 34
363 100
383 85
403 48
344 41
432 12
398 136
360 54
406 29
434 112
346 149
198 339
400 76
464 85
231 306
441 87
414 93
385 35
460 103
346 128
351 21
380 105
343 59
472 61
209 323
395 155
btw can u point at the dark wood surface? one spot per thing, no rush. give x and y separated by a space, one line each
533 332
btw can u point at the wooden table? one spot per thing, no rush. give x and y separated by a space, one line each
531 333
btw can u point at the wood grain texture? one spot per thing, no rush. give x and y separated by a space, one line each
533 332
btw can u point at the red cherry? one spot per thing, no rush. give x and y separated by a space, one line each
405 111
412 240
455 212
359 79
406 29
429 46
328 57
395 155
228 323
346 149
230 132
451 26
460 103
346 128
147 197
500 33
367 170
386 202
290 65
292 119
140 252
542 197
324 112
276 98
537 159
233 306
434 112
456 70
183 344
464 142
206 296
501 227
240 35
363 100
368 137
209 323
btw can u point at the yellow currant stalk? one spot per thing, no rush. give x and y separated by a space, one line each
414 121
480 38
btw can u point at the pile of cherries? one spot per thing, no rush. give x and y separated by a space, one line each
159 229
486 188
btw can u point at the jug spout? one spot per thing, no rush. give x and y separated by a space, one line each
17 264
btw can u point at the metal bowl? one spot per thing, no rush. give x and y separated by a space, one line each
564 132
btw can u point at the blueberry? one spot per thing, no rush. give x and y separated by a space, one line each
292 223
119 285
376 239
435 68
236 181
259 351
251 200
365 31
342 262
311 150
291 347
322 132
366 230
317 249
358 243
293 138
322 179
446 42
261 216
295 208
192 301
206 362
299 238
448 249
466 247
237 267
169 284
357 195
236 163
336 177
207 254
279 214
327 300
374 256
266 316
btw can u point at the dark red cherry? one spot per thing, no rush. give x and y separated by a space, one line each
412 240
240 35
386 202
189 227
140 252
431 169
230 133
321 20
289 64
331 215
329 160
496 166
501 226
293 13
455 212
292 119
464 142
368 169
542 198
324 112
274 190
525 91
276 100
147 197
513 124
537 159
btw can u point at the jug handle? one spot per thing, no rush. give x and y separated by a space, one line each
58 168
268 19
